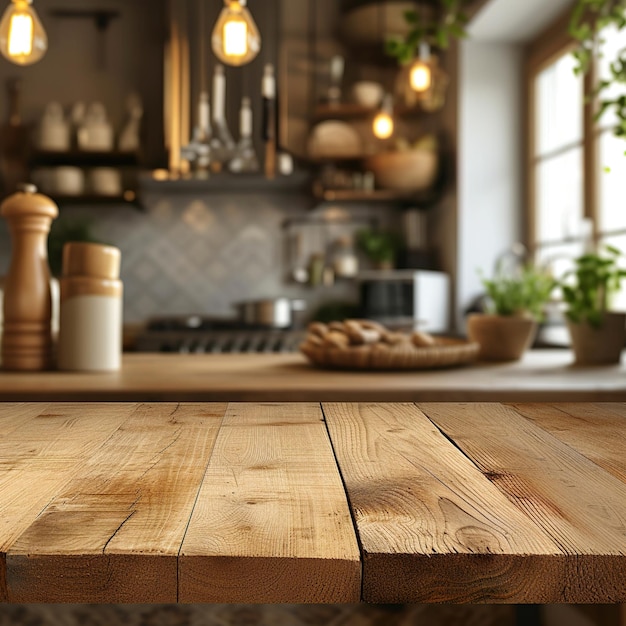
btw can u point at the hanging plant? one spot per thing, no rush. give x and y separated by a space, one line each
588 19
447 23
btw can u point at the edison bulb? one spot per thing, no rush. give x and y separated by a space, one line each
421 76
383 125
235 39
23 40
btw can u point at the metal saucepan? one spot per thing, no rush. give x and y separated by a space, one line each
270 312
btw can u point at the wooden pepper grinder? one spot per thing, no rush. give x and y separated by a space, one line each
27 337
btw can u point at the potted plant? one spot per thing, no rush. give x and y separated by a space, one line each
597 333
515 305
381 247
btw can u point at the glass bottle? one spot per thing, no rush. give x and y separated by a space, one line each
245 159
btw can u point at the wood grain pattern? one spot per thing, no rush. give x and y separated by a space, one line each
432 528
245 503
595 430
13 415
541 376
579 505
38 456
114 532
271 523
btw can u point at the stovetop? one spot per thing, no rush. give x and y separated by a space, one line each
201 334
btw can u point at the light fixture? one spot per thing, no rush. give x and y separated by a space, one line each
23 39
421 76
236 39
383 122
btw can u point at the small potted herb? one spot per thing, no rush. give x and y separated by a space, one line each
516 304
597 333
381 247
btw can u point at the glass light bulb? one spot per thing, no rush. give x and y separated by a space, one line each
383 125
421 76
235 39
23 39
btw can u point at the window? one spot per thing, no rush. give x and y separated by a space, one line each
577 168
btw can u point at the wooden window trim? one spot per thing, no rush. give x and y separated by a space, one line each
551 44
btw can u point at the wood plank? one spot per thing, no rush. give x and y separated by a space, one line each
39 456
271 523
578 504
596 430
14 414
431 527
114 532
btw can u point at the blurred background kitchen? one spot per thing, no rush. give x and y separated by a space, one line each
226 179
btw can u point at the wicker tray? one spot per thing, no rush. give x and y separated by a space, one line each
403 356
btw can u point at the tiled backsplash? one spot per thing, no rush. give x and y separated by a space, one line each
190 254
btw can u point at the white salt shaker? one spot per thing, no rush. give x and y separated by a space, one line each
90 336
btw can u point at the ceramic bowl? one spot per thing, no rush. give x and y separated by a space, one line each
367 93
334 139
408 170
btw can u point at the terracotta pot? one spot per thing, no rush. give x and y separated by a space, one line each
501 337
595 346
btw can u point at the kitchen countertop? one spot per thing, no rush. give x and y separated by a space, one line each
302 502
542 375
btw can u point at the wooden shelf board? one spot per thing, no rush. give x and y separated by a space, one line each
298 182
353 111
91 199
377 195
41 158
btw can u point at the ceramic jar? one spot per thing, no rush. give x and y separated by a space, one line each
90 336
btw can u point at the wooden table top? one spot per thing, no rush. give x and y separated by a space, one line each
307 502
542 375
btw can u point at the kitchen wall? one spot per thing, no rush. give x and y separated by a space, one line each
490 209
202 253
184 253
84 64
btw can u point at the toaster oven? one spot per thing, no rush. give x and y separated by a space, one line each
418 299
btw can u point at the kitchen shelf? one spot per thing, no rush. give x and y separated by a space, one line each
97 200
356 195
351 111
296 183
79 158
423 198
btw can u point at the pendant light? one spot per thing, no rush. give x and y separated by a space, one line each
421 76
383 122
23 40
236 39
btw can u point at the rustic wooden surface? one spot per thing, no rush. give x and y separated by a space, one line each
122 517
541 376
418 499
271 523
302 502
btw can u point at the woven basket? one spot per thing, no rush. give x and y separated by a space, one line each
403 356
